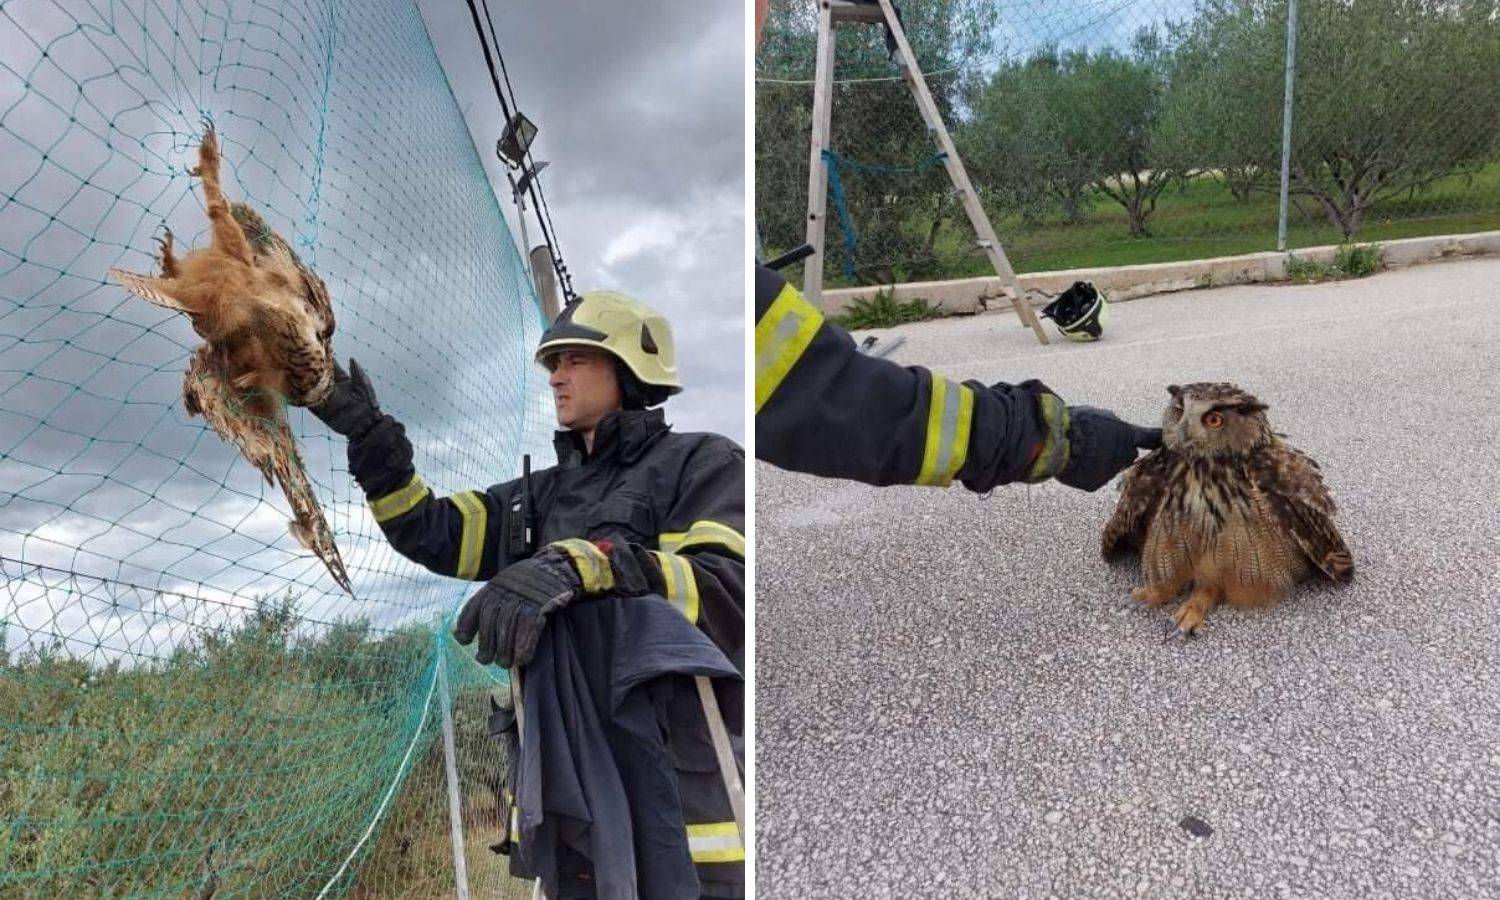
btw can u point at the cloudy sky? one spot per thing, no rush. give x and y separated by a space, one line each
641 113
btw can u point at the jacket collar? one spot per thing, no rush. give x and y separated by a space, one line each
623 436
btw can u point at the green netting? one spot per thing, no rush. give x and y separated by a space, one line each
1112 132
188 705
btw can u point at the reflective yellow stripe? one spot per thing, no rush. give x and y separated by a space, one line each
401 501
682 585
715 842
781 336
949 417
704 532
593 566
1053 457
471 547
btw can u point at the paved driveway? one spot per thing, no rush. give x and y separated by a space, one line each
957 698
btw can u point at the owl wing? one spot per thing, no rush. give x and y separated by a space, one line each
308 525
1141 493
272 250
157 290
1293 485
260 236
256 424
207 392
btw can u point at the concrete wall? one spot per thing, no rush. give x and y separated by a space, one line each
971 295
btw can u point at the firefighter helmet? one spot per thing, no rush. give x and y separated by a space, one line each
627 329
1081 312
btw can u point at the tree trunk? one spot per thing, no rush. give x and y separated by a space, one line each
1137 215
932 232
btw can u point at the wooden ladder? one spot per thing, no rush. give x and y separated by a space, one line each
837 12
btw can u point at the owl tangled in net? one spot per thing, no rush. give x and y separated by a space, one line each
267 325
1225 510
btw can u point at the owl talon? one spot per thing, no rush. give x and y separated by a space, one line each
1190 616
1175 632
165 256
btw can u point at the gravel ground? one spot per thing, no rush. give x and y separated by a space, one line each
955 697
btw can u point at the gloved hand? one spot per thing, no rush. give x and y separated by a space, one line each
350 408
1100 446
508 613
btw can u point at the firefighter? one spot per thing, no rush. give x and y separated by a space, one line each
631 508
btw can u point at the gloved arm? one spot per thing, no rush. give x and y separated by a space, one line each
464 535
824 408
1083 446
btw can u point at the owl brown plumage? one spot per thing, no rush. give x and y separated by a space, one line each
1225 509
267 325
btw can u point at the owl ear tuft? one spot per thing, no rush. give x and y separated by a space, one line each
1175 390
1251 407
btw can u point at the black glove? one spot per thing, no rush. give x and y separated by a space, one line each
350 408
508 613
1100 446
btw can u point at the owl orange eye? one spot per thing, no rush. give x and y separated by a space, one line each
1213 420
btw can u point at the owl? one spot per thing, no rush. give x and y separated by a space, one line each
1226 510
267 325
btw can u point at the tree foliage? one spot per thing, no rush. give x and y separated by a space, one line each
1390 95
1045 130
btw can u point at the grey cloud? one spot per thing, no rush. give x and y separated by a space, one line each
641 111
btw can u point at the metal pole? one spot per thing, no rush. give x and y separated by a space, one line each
724 750
544 276
1286 122
519 702
450 764
520 201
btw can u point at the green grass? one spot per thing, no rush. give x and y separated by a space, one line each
1349 261
884 311
1358 260
1202 220
413 855
1308 271
246 764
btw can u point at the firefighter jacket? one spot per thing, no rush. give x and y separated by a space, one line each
615 758
671 508
824 408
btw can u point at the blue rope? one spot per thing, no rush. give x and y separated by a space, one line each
846 223
835 164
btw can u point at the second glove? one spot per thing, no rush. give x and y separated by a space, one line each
509 612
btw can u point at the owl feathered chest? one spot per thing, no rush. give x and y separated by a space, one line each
1206 494
1216 525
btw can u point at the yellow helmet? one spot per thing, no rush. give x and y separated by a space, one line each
624 327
